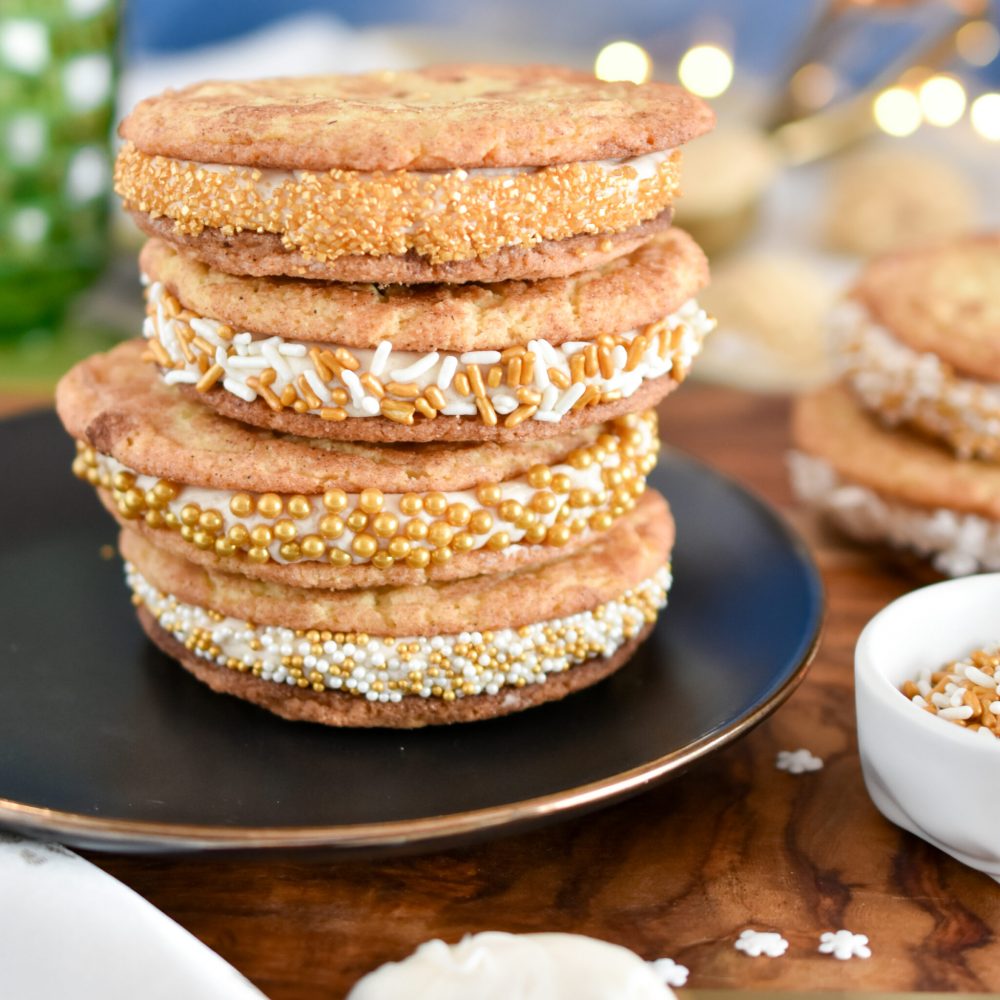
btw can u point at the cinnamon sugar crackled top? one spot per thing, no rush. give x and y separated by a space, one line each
441 117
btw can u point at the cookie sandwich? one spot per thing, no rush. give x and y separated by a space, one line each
379 457
339 514
410 656
917 342
504 361
903 451
451 173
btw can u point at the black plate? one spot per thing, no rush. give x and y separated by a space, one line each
106 743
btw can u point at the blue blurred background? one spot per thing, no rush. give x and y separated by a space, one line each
846 128
761 33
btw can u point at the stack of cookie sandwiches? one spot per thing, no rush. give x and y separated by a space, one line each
380 456
905 450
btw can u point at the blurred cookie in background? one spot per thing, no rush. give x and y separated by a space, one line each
771 310
884 200
724 176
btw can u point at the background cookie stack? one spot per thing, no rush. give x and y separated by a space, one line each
380 457
905 449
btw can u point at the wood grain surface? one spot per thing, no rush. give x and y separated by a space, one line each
678 871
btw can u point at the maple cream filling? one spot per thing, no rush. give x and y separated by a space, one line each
547 505
902 385
443 216
387 669
957 544
540 381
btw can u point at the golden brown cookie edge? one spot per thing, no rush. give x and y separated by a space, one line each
884 285
896 463
638 288
376 429
264 255
118 404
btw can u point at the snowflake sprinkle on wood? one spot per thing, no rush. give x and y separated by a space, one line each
797 761
670 972
757 943
844 945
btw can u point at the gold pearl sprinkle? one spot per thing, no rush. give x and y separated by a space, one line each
299 506
270 505
385 525
364 545
427 523
335 501
285 531
370 501
242 505
357 520
331 526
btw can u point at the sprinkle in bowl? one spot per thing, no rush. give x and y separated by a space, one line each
926 774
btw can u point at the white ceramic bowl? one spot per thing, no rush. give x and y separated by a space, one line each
925 774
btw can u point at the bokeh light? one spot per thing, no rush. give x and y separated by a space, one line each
897 111
985 116
978 43
623 61
814 85
942 100
706 70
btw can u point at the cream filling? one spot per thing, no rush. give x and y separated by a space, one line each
633 462
388 669
957 544
268 179
905 386
243 359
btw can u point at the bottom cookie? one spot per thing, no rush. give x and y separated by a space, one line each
893 488
334 708
264 255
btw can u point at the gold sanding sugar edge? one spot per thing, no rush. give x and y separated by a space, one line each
973 677
443 217
428 528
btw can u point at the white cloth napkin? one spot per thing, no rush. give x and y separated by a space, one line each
68 931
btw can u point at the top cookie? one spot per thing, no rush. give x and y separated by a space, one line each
436 118
450 174
944 300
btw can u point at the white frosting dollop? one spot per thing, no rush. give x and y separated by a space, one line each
957 544
499 966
